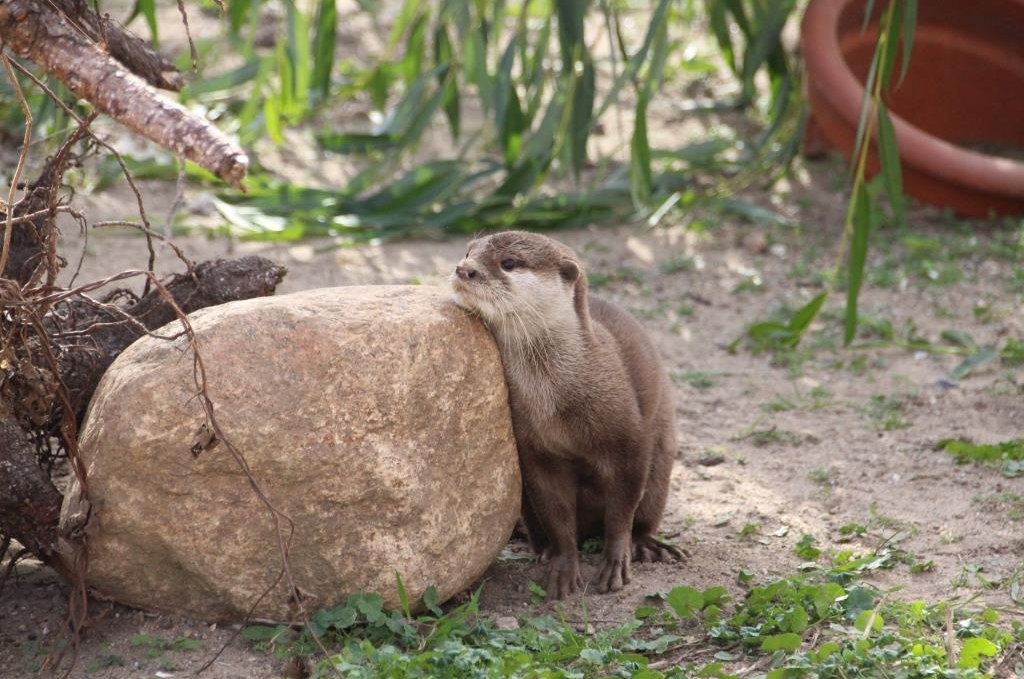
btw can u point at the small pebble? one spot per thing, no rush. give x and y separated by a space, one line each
506 622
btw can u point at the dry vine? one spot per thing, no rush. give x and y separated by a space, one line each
55 342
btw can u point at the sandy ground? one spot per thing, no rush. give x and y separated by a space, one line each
797 446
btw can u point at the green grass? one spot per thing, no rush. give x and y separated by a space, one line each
824 621
1008 455
887 412
702 381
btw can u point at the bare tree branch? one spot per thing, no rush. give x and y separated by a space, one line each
44 36
131 50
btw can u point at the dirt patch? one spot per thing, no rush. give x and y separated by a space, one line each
805 444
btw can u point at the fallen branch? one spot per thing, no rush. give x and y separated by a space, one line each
43 35
132 51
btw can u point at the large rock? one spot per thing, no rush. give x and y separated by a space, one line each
376 418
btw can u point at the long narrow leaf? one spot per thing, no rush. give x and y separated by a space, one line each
893 21
889 155
865 106
582 116
858 256
444 54
147 8
323 46
801 320
909 26
640 156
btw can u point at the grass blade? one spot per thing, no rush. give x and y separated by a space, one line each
444 54
640 157
801 320
892 23
889 154
868 9
858 256
411 65
323 46
582 116
909 26
570 31
147 8
981 357
238 10
865 106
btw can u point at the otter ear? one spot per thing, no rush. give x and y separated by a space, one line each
568 270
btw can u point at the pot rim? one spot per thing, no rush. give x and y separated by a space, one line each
834 81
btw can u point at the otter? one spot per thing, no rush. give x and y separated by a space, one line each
592 408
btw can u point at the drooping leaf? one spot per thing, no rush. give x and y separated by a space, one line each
444 55
888 152
147 8
856 260
981 357
640 156
323 46
909 26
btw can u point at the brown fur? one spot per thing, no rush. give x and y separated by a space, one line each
591 406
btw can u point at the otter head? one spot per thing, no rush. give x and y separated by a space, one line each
522 283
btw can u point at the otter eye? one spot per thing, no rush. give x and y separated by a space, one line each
508 264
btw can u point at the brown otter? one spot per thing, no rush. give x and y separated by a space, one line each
591 406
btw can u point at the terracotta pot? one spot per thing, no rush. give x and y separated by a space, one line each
964 90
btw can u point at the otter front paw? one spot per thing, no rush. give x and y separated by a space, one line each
614 570
563 576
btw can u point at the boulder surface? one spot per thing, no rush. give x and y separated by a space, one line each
376 418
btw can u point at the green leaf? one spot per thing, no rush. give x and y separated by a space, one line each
865 107
892 27
875 618
233 78
475 56
805 314
972 651
444 54
781 642
571 14
640 156
805 548
976 360
857 259
717 596
147 8
323 46
582 115
403 596
259 632
411 65
892 172
238 10
909 26
406 15
430 601
685 601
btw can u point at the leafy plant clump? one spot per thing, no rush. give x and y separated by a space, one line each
824 621
1009 454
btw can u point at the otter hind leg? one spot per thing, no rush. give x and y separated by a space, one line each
647 547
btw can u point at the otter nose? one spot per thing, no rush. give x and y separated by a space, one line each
465 272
